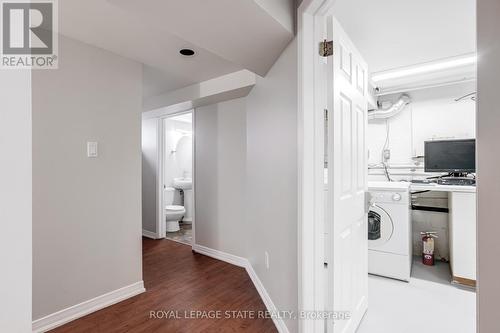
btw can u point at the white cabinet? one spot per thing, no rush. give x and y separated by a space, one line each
463 237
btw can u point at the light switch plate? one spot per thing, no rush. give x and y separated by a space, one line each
92 149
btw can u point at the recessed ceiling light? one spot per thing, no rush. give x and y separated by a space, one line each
187 52
425 68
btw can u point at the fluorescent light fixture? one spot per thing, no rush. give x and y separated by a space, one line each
425 68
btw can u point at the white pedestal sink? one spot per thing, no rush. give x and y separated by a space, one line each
183 183
186 185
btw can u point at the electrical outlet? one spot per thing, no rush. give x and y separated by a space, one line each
266 259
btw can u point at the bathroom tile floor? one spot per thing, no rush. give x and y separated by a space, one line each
184 236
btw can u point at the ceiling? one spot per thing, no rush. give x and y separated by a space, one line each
102 24
223 33
392 34
185 118
242 31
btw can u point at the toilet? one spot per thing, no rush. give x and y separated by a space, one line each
173 213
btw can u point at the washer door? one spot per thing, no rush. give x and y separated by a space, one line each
380 227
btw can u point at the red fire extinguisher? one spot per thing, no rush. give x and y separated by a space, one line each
428 247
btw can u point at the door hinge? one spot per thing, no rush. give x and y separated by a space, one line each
326 48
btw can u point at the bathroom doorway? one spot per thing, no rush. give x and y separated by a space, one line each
176 177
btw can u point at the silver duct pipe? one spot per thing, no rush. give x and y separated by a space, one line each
393 109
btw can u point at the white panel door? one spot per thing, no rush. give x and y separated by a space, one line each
346 217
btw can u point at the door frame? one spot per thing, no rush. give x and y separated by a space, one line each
160 116
311 207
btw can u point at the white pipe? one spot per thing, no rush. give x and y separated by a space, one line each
391 110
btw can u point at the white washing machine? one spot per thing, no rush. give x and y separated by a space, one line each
389 230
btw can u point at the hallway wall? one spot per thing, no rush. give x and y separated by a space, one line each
272 181
488 159
246 179
149 142
15 200
220 171
86 211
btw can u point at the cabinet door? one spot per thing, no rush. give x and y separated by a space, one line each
463 236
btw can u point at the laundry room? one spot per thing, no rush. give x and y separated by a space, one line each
396 136
420 136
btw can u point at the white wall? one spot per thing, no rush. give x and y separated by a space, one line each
432 114
86 212
488 159
272 181
180 162
282 11
246 179
149 139
220 171
15 201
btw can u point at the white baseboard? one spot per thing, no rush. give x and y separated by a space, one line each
79 310
243 262
278 322
223 256
149 234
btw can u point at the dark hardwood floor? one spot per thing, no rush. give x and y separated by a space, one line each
178 280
